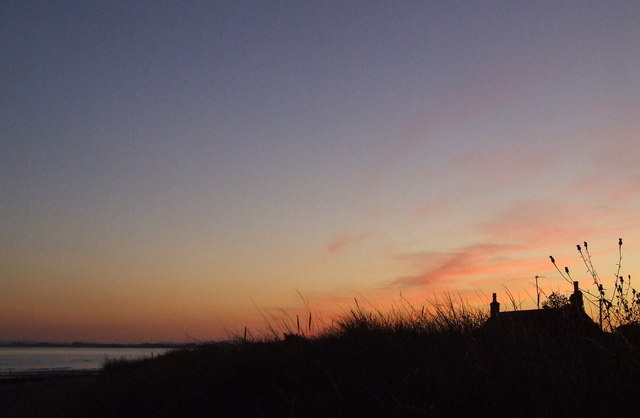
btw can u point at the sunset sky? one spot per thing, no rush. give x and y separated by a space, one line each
175 171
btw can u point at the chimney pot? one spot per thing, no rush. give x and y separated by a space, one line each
494 306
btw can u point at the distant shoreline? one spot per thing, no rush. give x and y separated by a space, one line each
21 344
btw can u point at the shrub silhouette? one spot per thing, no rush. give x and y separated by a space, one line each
555 300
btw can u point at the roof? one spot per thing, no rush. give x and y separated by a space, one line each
570 318
553 320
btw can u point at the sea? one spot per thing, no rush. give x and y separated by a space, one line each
20 361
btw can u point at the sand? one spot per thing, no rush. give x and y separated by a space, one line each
44 395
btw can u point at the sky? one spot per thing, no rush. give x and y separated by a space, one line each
177 171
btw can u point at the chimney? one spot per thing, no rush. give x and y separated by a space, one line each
495 306
576 298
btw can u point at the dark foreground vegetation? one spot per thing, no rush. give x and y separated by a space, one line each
438 363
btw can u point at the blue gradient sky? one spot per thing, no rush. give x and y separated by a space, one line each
173 170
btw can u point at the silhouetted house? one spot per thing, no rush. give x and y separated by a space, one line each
570 318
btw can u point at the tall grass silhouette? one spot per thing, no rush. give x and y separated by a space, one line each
433 360
437 359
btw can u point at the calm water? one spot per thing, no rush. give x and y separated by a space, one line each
32 360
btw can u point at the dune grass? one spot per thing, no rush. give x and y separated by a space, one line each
433 361
440 359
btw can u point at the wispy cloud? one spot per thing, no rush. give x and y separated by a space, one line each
472 261
512 237
535 223
342 243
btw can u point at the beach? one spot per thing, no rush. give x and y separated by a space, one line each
44 395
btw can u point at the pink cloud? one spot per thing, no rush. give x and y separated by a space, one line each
545 226
344 241
537 222
472 261
518 240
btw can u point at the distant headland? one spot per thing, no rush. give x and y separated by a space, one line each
79 344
